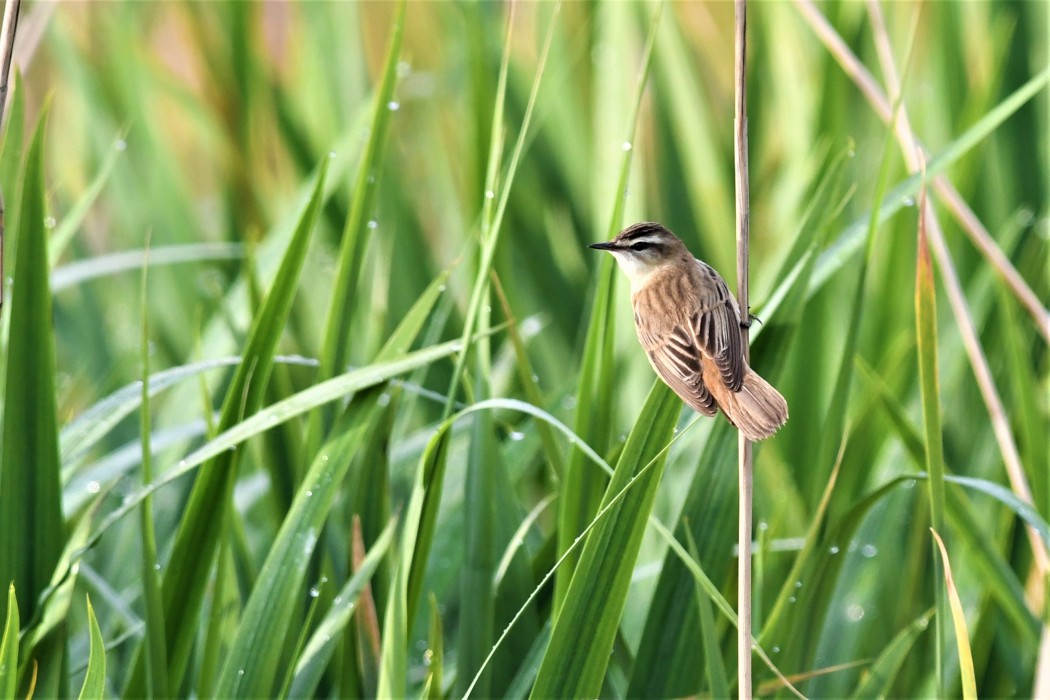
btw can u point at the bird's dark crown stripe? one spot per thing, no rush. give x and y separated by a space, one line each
640 230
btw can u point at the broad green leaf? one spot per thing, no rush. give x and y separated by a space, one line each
598 591
254 660
32 530
94 686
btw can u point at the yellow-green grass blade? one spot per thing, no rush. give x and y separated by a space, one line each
962 635
74 218
32 530
198 536
94 687
9 648
582 492
594 602
877 681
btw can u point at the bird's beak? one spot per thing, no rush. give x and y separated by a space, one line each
604 246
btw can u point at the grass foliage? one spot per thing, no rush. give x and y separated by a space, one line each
312 386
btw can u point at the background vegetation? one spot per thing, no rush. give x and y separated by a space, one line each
371 347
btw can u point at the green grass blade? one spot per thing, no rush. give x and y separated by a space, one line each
254 661
595 599
9 648
74 218
198 537
155 651
581 495
356 232
94 687
962 636
878 681
32 530
929 377
717 680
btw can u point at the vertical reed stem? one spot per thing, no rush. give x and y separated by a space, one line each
744 451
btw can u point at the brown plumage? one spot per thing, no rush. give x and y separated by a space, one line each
689 324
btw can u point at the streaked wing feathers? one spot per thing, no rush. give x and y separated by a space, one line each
676 358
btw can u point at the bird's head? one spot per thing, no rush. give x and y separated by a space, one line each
643 249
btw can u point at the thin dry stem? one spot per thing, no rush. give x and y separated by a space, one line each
744 451
955 203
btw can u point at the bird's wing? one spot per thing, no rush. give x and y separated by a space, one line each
716 327
675 355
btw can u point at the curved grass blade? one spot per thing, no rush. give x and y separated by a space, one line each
717 680
32 531
9 648
197 539
962 636
95 679
75 273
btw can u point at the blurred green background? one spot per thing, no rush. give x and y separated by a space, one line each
200 128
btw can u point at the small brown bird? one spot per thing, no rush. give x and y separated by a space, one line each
689 324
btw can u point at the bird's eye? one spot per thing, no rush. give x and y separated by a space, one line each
641 245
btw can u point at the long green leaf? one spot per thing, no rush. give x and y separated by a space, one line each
32 531
356 231
318 651
929 379
255 657
581 493
878 681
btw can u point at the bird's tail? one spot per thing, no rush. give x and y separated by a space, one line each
758 409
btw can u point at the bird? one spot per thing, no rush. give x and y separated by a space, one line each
689 324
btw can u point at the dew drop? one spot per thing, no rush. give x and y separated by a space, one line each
314 592
855 612
120 145
384 399
489 194
792 599
776 650
240 672
869 551
331 154
833 549
94 487
763 525
516 436
393 105
626 145
50 222
908 201
373 224
798 584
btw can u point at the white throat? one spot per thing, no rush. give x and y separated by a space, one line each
638 273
